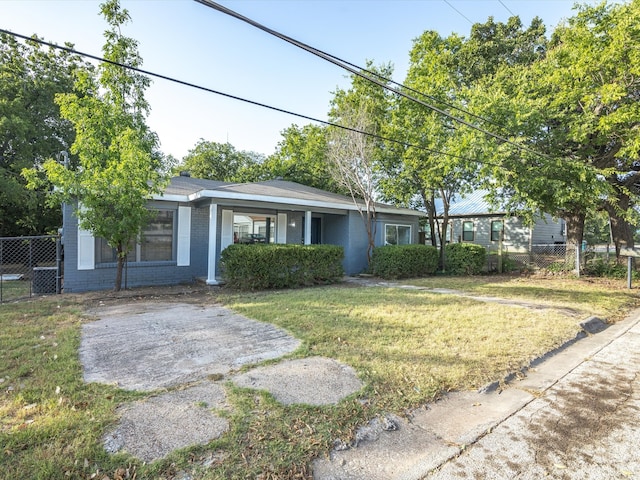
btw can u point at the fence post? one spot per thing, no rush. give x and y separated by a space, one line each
629 271
58 265
578 260
500 255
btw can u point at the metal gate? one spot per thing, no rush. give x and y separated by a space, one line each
30 266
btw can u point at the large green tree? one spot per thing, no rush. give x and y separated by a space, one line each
31 129
118 162
429 164
578 108
218 161
301 156
442 154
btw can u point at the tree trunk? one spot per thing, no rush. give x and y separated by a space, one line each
575 231
121 258
430 206
445 226
621 229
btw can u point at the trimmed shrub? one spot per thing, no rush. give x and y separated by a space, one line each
259 267
403 261
465 258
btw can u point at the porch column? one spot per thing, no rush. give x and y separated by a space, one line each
213 244
307 227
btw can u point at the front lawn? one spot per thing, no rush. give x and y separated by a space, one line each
408 346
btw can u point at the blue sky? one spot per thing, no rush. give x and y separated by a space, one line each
188 41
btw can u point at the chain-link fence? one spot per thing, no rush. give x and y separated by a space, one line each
30 266
553 258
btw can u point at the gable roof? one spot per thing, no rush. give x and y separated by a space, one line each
187 189
473 204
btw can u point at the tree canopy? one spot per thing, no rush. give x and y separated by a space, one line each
31 129
118 163
577 108
218 161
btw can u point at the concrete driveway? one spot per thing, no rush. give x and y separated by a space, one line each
149 346
191 351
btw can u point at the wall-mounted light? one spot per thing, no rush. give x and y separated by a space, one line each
292 223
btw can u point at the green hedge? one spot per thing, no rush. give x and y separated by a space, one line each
404 261
465 259
259 267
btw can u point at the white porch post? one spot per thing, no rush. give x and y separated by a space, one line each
213 244
307 227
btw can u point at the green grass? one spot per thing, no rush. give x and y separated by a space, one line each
15 289
607 298
408 346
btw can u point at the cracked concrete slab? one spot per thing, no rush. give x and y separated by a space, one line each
312 381
148 346
150 429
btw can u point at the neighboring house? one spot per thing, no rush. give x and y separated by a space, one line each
472 220
197 219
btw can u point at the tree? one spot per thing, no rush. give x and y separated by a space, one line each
355 151
492 46
301 156
218 161
578 107
31 129
118 161
433 162
441 156
352 165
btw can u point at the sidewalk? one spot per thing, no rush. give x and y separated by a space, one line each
574 416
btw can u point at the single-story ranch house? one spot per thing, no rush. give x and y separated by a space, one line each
196 219
472 220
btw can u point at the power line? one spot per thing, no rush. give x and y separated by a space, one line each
458 12
233 97
507 8
358 71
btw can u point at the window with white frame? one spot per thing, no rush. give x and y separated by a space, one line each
497 229
156 245
467 231
397 234
253 228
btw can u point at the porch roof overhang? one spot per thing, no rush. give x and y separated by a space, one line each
274 194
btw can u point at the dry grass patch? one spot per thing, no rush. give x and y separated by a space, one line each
410 345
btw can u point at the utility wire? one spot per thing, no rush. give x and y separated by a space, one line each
458 12
358 72
233 97
507 8
405 87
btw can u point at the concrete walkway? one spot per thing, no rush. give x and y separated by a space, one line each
149 346
186 353
575 416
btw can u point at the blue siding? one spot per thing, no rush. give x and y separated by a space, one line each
345 229
135 275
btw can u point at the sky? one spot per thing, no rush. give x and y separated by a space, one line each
188 41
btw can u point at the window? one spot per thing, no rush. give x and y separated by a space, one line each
156 244
397 235
253 228
157 238
467 231
497 230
